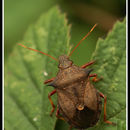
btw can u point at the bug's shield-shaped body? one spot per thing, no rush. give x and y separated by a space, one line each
78 100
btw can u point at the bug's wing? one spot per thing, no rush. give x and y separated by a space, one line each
66 103
90 96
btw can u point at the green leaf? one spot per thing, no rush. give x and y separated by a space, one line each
110 56
26 98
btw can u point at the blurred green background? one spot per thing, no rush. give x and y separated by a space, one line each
81 14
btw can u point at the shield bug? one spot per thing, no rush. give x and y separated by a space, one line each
79 103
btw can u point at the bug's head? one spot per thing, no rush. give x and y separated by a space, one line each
64 62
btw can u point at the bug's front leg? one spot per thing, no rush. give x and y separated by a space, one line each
95 79
49 80
105 102
52 104
87 64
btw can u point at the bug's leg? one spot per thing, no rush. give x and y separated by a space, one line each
105 102
52 104
95 79
57 114
87 64
49 80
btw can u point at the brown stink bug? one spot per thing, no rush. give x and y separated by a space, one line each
79 103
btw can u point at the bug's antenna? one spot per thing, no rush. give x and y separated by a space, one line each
82 39
38 51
